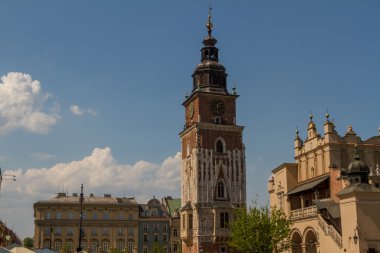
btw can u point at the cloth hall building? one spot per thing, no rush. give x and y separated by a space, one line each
331 192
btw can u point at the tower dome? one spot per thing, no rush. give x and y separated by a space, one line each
210 75
358 170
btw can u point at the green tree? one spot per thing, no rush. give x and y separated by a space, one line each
260 230
28 242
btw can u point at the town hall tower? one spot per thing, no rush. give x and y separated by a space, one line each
213 176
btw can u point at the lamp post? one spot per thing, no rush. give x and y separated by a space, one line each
51 236
79 249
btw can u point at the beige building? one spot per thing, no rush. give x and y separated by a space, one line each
331 192
108 223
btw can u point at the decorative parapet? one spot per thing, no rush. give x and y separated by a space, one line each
330 230
303 212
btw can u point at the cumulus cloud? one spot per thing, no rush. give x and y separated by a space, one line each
22 103
99 172
77 111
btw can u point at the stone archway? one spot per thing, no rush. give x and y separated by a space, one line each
296 240
310 242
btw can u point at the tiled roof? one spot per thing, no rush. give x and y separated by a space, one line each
359 188
304 186
90 200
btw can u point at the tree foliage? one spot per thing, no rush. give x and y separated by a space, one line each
260 230
28 242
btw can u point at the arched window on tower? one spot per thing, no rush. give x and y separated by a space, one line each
219 147
220 190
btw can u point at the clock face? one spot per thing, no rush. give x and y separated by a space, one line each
191 110
217 107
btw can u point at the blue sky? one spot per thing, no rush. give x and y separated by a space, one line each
113 74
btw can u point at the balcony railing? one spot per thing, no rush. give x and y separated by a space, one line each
303 212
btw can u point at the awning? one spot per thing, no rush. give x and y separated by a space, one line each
308 185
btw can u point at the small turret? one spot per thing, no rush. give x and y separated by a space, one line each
311 129
329 130
297 143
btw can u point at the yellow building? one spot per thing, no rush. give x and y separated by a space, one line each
331 192
108 222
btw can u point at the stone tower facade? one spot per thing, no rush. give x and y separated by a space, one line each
213 179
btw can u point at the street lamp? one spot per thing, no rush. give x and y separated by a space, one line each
355 237
81 234
51 236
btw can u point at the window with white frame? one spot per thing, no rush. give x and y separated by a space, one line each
130 246
120 246
57 246
105 246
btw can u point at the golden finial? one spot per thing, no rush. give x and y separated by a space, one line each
209 25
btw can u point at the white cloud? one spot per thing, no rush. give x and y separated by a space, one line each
99 172
77 111
42 156
22 105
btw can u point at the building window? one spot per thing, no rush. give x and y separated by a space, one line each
175 247
156 237
58 231
219 146
217 120
165 250
224 219
83 244
57 246
70 231
183 221
221 190
130 231
164 227
105 246
47 244
58 215
47 215
145 228
164 237
94 247
69 246
70 215
121 216
47 230
93 231
145 250
130 246
106 216
175 232
120 246
120 231
145 237
94 215
105 231
223 249
155 227
130 216
190 221
84 216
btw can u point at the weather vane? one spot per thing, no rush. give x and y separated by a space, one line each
209 24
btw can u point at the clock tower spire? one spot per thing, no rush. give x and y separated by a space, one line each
213 174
